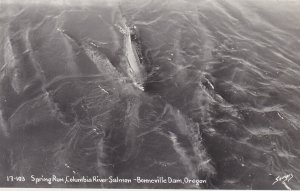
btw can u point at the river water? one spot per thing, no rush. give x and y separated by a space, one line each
220 98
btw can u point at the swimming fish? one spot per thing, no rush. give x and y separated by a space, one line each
134 69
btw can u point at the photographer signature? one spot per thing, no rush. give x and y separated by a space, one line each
283 180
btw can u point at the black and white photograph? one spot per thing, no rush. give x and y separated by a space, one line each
150 94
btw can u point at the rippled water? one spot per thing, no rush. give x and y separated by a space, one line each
220 98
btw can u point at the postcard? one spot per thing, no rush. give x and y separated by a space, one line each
150 94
